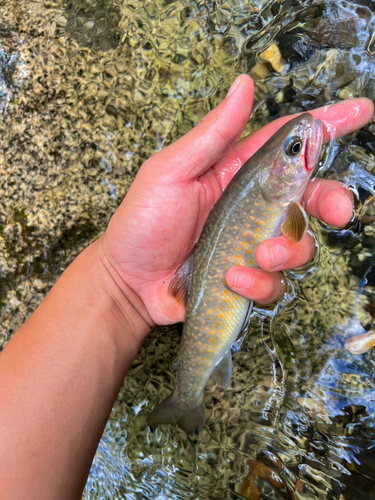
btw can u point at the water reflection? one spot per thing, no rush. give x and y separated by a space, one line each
91 89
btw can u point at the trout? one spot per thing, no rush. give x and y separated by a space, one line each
262 201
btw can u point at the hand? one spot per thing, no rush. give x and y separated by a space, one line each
159 222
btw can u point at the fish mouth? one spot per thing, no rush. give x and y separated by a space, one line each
313 145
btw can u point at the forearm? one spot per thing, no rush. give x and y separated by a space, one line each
59 377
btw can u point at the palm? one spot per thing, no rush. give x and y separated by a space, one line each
166 221
160 220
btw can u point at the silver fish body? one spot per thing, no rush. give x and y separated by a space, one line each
251 210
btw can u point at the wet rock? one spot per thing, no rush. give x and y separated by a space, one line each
93 24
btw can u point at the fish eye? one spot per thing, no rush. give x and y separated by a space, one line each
293 146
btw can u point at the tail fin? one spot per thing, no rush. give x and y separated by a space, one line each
191 420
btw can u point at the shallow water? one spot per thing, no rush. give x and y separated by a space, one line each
88 90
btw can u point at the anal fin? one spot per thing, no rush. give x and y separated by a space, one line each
223 371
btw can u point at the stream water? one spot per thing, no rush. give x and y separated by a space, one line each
91 88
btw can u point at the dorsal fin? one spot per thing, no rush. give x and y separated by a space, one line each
180 282
296 223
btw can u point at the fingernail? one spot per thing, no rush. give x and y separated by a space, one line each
242 280
278 255
234 86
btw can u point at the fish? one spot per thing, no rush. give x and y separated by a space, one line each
261 201
361 342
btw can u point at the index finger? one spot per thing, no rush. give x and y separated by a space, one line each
338 120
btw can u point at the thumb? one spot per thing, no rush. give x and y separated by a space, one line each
205 144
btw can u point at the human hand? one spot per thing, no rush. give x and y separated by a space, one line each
161 218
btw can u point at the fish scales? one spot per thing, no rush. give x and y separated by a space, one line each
217 313
261 201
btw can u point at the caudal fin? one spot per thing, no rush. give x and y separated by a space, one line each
191 420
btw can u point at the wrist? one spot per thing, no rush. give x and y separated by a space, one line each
130 311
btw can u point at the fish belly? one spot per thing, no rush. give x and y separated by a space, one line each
215 314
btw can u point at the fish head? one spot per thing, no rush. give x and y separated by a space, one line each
295 150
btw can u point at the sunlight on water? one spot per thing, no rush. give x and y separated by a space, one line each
90 89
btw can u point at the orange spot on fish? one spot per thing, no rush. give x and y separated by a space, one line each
218 308
212 333
239 249
199 357
199 363
224 282
210 312
252 217
236 297
221 315
269 208
247 225
226 326
228 300
228 258
215 346
229 242
212 340
207 359
210 298
201 368
238 256
245 234
257 230
207 328
256 204
257 237
210 350
211 319
219 300
199 343
249 251
250 261
261 222
226 292
244 243
221 331
232 307
219 322
264 213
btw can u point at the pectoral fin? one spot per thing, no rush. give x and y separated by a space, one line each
223 371
180 282
295 223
